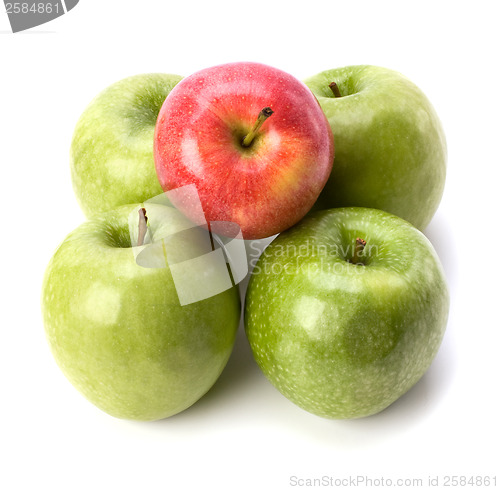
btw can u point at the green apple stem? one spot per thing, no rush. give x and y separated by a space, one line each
335 89
358 250
263 115
143 226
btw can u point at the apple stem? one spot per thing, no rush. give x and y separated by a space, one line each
335 89
263 115
143 226
358 250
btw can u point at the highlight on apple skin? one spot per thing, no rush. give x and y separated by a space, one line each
254 141
390 148
346 310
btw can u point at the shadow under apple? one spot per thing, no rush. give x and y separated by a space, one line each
243 378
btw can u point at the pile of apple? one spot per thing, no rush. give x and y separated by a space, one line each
345 310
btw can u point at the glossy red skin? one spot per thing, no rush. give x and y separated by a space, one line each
265 188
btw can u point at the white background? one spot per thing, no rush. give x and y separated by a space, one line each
243 434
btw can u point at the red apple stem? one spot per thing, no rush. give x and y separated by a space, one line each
263 115
335 89
143 226
358 250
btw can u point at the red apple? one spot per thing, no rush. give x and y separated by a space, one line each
252 139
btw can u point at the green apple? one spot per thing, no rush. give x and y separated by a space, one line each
117 329
346 310
390 149
111 153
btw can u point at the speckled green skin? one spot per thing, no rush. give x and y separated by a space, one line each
390 149
118 332
111 153
343 340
